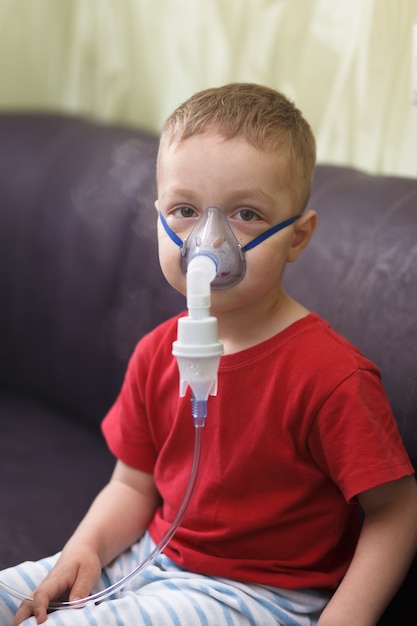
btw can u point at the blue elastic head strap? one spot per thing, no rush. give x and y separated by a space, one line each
269 232
252 244
172 235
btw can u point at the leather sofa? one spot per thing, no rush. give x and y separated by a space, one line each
80 283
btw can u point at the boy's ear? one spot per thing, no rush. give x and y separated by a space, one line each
156 204
304 228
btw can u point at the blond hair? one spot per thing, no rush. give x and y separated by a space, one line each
265 118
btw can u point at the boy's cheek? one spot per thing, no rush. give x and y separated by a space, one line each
170 265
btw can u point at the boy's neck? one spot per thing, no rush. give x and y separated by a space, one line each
247 328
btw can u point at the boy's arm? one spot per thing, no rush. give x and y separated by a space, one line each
117 518
386 547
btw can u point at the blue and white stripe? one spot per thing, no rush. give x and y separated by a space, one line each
166 595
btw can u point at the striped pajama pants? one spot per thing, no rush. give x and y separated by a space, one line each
164 594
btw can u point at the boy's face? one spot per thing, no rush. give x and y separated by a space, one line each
252 188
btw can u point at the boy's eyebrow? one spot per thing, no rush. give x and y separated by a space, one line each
180 192
241 195
250 194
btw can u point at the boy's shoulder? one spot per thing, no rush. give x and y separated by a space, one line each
307 350
320 340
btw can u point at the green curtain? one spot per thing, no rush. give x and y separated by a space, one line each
346 63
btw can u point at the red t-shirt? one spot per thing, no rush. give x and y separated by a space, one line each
299 427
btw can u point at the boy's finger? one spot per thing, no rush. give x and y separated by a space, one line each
41 600
24 611
81 589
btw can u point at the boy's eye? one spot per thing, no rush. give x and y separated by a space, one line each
184 211
246 215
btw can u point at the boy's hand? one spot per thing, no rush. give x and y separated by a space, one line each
73 576
118 516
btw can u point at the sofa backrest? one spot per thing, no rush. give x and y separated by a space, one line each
79 278
80 282
360 273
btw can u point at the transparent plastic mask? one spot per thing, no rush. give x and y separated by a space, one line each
213 236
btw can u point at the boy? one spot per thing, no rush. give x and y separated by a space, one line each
299 438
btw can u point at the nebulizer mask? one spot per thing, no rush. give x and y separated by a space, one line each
213 237
211 258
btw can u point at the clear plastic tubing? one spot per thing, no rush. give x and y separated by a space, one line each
105 593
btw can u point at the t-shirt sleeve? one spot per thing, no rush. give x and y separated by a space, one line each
357 441
126 426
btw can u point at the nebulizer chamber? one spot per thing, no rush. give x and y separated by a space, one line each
197 350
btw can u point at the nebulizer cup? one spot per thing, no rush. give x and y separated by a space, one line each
197 348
